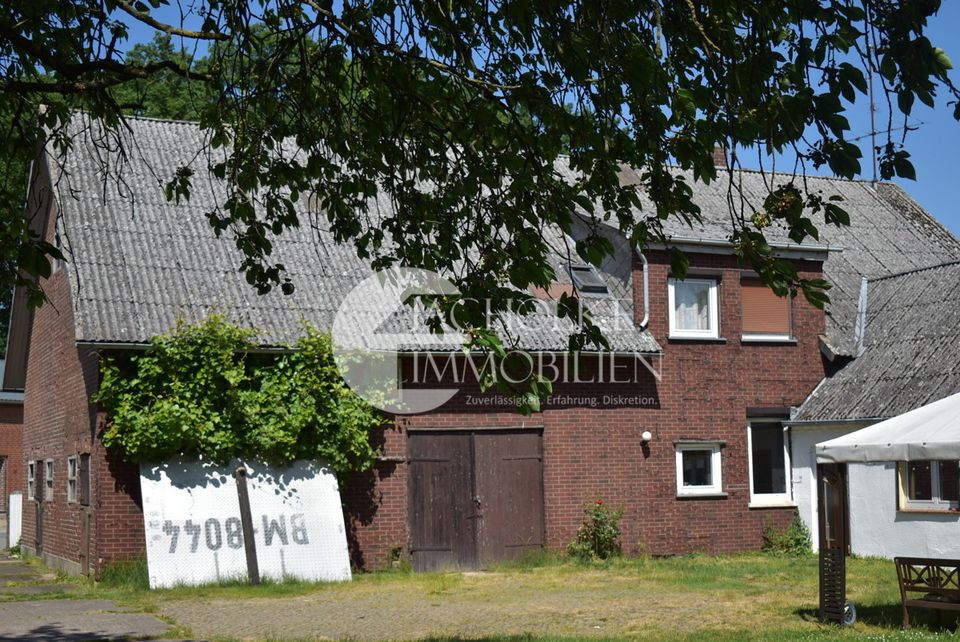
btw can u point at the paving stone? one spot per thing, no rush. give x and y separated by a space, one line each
74 621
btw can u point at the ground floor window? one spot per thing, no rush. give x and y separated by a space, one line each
929 485
769 463
48 480
698 469
72 480
31 479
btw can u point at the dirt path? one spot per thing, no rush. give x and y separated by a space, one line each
470 605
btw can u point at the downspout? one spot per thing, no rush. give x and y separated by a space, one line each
646 291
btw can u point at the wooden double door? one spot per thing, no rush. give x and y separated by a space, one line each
475 497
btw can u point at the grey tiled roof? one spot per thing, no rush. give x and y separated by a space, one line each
888 233
140 262
911 350
137 262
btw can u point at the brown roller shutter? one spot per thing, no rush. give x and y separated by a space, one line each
763 311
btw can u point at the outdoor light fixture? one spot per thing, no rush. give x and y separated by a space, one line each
645 436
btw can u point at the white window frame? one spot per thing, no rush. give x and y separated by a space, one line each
934 504
716 464
48 480
72 479
770 499
714 313
31 479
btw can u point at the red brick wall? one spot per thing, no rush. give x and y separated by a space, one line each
704 392
12 477
59 421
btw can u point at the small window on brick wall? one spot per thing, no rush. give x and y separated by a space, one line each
766 316
698 469
31 479
72 479
48 480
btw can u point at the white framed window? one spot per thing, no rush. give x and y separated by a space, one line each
769 463
699 469
693 309
929 485
48 480
72 479
31 479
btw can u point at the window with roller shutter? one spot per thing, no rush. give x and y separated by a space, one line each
766 316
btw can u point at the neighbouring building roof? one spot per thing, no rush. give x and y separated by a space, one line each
910 352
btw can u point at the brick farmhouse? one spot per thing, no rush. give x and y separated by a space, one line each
471 481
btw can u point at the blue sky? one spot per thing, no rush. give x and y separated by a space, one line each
932 146
937 140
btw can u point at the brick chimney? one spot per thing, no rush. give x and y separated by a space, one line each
720 156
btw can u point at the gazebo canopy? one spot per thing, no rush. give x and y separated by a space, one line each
929 432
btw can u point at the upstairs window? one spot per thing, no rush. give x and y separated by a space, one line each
587 280
766 316
693 309
930 485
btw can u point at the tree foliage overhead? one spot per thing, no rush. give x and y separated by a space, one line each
199 391
485 102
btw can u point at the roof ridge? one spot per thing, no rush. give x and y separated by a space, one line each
895 275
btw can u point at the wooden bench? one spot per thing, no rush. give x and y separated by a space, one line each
938 581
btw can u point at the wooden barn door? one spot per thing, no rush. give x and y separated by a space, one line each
475 497
442 510
509 479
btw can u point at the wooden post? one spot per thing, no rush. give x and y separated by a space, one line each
246 522
831 508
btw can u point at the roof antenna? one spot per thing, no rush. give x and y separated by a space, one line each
873 107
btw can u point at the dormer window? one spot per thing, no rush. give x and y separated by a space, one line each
588 281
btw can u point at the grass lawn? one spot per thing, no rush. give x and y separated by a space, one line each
742 597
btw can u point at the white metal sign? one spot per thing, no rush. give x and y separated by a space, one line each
194 530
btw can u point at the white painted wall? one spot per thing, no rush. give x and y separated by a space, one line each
878 529
803 460
15 518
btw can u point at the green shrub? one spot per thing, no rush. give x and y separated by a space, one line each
203 391
598 537
793 540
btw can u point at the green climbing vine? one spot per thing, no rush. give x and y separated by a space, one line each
202 391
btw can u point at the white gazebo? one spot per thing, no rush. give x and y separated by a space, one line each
931 432
867 500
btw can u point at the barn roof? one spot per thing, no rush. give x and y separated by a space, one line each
138 262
